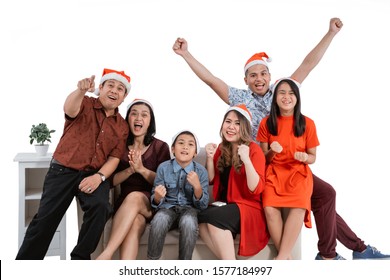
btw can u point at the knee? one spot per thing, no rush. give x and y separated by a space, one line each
160 220
329 193
322 190
332 193
134 199
189 223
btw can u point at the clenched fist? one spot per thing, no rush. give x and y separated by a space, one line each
301 156
276 147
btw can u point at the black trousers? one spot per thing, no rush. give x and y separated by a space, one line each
59 189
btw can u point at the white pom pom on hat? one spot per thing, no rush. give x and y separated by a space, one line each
243 110
257 58
120 76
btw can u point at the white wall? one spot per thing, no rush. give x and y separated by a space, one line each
48 46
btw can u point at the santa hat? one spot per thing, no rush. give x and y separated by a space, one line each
257 58
190 132
273 87
139 100
243 110
120 76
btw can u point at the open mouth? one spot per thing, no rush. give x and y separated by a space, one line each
230 133
114 98
137 126
259 86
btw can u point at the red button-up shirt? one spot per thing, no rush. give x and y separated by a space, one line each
90 138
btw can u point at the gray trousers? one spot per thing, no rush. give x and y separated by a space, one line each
184 218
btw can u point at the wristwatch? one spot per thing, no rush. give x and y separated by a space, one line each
102 176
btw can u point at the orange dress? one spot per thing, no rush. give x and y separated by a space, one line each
289 183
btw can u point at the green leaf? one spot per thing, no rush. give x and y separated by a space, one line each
40 133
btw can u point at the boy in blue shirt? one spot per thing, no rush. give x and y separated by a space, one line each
180 191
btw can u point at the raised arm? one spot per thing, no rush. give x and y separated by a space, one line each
73 101
316 54
180 47
252 177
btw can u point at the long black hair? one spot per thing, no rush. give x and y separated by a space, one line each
151 129
299 119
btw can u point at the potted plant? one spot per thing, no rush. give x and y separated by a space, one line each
41 134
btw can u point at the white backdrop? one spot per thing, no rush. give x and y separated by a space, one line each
48 46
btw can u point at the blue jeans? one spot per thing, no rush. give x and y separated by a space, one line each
182 217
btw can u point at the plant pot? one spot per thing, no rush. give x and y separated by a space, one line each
42 149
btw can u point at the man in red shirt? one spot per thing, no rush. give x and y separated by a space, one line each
88 152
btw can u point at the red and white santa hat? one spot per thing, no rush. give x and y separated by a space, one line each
257 58
243 110
120 76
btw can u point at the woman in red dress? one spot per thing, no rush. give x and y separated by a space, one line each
236 168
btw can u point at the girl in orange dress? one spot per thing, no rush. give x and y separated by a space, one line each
289 141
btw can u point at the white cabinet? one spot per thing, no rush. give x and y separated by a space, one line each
32 172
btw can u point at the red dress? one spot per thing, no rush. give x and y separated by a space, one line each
254 235
289 182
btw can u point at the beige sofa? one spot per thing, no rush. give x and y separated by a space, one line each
171 246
